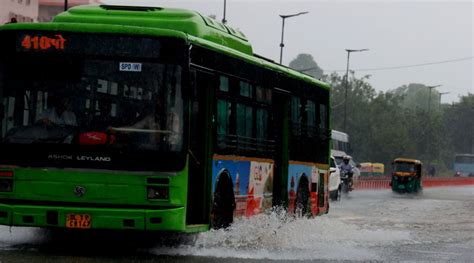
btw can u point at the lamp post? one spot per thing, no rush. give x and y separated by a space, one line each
283 17
428 146
65 5
347 82
429 99
223 18
441 94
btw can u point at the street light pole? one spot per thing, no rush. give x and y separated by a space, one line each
441 94
65 5
429 99
283 17
347 83
428 146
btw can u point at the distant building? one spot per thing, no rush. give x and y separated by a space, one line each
21 10
49 8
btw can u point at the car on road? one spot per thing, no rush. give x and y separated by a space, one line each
334 180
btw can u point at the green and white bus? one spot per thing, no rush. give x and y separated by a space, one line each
150 118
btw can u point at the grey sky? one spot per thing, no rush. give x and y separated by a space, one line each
398 33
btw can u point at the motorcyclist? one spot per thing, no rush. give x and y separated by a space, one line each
347 168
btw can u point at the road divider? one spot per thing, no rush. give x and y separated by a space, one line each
384 182
433 182
372 184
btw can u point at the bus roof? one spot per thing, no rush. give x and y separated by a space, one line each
340 136
189 22
159 21
337 153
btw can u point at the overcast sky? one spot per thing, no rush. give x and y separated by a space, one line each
398 33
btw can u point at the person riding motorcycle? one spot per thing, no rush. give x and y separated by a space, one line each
347 168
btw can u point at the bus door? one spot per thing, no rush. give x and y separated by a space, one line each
281 106
200 155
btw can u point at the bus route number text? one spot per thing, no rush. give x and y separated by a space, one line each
128 66
43 42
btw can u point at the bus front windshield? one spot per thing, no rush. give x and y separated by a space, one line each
66 110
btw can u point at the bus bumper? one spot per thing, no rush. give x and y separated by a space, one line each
169 219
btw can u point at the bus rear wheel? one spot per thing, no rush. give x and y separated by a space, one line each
223 205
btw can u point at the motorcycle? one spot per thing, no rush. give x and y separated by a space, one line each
346 181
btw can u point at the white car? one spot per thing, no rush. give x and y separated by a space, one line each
334 180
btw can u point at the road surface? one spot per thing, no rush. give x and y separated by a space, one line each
437 225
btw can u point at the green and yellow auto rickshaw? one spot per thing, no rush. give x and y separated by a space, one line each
366 169
378 169
406 175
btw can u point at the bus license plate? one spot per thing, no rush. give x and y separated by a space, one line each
78 221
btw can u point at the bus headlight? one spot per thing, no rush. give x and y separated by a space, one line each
6 181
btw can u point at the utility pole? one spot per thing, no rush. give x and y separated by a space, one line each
347 83
428 146
441 94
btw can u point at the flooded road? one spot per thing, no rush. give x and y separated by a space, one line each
437 225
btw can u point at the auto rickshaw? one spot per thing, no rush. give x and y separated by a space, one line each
366 169
378 169
406 175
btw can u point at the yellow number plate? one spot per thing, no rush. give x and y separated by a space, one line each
78 221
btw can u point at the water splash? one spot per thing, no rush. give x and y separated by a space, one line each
14 237
279 236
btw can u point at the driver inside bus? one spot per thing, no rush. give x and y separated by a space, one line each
58 114
152 119
161 126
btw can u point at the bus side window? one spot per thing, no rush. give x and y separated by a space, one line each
224 114
223 122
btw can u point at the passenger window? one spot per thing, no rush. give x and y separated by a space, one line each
311 119
224 84
246 90
323 117
244 120
223 122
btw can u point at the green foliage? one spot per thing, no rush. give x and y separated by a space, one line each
398 123
305 63
459 124
418 96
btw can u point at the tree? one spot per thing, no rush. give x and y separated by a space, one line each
305 63
418 96
386 125
459 124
